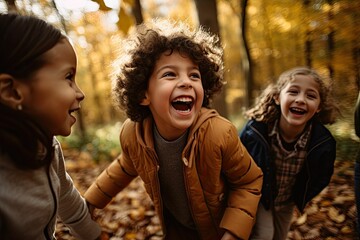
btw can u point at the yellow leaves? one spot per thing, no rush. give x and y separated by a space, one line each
346 230
102 5
137 214
125 14
130 235
126 20
335 216
301 220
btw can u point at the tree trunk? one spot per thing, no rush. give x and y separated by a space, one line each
207 14
356 59
331 41
246 59
136 9
137 12
308 38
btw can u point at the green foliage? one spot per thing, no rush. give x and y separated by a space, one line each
347 143
102 143
346 148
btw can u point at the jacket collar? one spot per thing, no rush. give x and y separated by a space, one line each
145 137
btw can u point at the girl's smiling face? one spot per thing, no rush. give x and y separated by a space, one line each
299 101
52 95
174 95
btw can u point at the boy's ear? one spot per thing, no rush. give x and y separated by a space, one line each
9 93
145 101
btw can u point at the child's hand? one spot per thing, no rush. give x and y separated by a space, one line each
229 236
91 209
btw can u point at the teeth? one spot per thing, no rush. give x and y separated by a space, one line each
188 110
297 109
183 104
72 111
183 99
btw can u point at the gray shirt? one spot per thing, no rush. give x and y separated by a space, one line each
171 177
31 200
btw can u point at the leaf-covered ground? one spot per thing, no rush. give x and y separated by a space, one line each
131 216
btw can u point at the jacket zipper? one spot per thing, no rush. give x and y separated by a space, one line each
190 205
158 189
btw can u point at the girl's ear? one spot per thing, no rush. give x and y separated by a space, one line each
145 101
9 93
276 99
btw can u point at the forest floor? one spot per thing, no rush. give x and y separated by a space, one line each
131 216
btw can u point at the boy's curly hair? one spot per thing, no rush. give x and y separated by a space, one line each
140 51
266 110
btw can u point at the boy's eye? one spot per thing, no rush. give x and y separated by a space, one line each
195 75
168 74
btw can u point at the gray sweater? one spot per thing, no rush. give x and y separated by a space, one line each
31 200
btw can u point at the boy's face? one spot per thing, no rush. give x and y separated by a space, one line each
174 95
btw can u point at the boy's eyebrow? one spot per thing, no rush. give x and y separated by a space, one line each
174 66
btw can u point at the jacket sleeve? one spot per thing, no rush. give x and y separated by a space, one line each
113 179
316 173
357 116
245 179
72 208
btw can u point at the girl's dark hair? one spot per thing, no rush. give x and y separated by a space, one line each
139 53
23 41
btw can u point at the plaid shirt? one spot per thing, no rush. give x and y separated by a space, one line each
288 163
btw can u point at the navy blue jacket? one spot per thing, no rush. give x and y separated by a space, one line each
314 176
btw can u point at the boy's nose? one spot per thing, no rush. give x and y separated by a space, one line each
185 82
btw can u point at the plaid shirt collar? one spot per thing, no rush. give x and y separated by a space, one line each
302 140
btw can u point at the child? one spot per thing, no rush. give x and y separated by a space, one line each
38 98
203 183
287 139
357 165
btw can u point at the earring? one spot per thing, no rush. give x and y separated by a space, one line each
19 107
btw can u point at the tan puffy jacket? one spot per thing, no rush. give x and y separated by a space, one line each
223 183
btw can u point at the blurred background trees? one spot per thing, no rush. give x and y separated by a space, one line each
261 39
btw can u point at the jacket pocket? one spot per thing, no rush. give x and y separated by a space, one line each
216 203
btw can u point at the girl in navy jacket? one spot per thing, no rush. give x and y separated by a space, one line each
287 138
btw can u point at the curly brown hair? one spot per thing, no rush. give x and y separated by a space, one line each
139 52
266 110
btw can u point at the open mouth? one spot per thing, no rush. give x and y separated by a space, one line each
183 104
73 110
297 111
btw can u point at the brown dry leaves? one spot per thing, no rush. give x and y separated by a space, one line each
131 216
330 215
